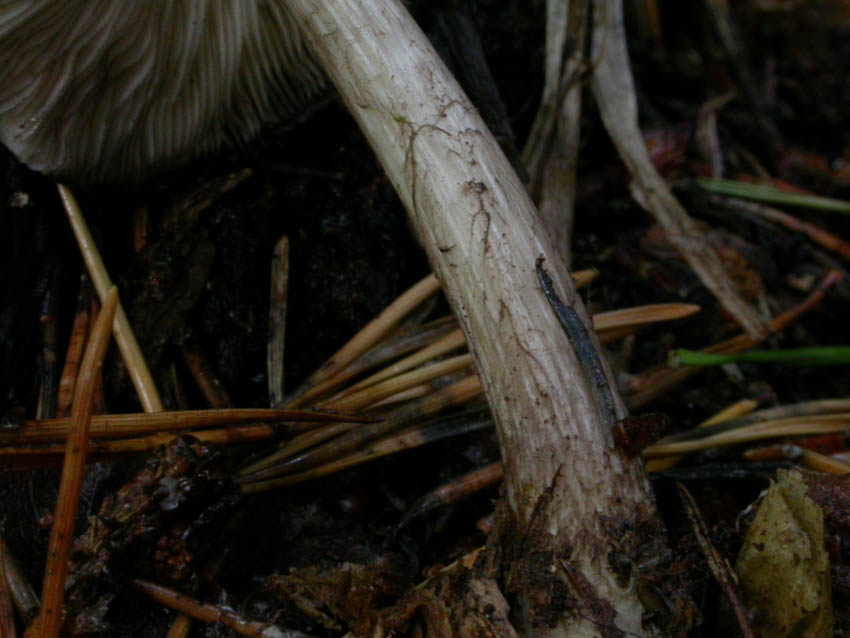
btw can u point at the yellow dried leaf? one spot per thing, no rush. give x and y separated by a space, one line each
784 566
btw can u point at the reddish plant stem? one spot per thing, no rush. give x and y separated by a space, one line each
61 536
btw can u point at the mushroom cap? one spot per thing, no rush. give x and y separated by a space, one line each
114 90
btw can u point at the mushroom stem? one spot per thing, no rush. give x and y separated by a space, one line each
482 234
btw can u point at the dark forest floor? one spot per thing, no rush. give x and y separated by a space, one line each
352 253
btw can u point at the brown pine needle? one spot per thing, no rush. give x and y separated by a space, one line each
615 334
180 627
455 490
133 358
336 370
126 425
407 440
26 458
454 395
298 444
74 353
410 394
815 233
382 353
205 379
384 389
816 408
449 343
353 357
420 435
642 315
373 332
815 460
795 426
200 611
245 434
805 408
733 411
62 533
615 324
581 278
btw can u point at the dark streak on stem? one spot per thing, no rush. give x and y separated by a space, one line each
601 613
583 346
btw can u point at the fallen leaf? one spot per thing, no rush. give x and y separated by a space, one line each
784 565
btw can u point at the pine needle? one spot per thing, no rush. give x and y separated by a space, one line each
62 534
815 356
771 195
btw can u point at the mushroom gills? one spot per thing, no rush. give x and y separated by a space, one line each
116 90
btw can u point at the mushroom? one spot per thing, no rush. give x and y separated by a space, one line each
117 89
132 84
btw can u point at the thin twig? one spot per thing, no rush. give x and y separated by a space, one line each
277 319
200 611
61 536
177 389
805 408
732 46
208 384
615 325
189 208
613 335
815 233
719 566
74 353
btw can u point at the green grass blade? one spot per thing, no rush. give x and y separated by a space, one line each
819 356
771 195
